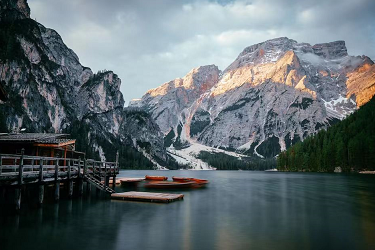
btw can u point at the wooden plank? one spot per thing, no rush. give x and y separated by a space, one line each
147 197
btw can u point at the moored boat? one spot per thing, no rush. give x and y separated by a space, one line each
156 178
169 184
198 182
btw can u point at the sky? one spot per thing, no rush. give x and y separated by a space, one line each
150 42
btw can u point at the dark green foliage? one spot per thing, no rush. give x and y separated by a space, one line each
223 161
289 142
350 144
145 145
3 126
200 121
197 126
92 82
170 163
142 116
270 147
129 157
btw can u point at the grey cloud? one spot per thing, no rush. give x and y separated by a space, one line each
148 42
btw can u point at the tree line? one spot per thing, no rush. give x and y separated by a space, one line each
222 161
349 144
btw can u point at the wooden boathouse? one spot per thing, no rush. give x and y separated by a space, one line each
29 159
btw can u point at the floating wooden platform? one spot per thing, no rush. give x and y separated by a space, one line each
147 197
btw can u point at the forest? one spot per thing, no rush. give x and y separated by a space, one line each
222 161
349 144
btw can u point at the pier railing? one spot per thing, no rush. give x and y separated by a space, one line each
13 167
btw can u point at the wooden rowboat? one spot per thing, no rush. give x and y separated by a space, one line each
156 178
198 182
169 184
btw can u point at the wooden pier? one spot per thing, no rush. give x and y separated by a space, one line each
147 197
20 171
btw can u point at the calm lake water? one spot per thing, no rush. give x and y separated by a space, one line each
238 210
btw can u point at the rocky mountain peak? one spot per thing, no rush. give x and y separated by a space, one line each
332 50
198 79
274 94
266 52
13 10
50 91
202 78
101 93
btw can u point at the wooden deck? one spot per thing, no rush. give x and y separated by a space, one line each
147 197
18 172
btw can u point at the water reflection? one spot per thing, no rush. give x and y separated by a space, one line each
238 210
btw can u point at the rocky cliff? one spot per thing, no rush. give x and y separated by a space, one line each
274 94
50 91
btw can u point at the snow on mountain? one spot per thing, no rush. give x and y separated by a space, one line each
274 94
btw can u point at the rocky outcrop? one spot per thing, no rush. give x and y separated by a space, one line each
274 94
11 10
173 103
50 91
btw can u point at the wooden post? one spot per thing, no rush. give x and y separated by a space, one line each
41 170
18 198
80 179
18 190
70 194
65 156
79 167
106 180
69 170
116 167
57 182
56 170
20 169
80 187
93 168
41 184
84 167
114 182
1 164
88 185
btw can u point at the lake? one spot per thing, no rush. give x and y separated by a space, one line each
238 210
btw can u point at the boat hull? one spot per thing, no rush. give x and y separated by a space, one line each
197 182
155 178
169 184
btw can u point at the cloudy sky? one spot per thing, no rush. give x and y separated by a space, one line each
149 42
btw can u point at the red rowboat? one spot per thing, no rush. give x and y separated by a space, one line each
156 178
169 184
198 182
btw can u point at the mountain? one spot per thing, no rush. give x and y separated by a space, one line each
348 145
273 95
50 91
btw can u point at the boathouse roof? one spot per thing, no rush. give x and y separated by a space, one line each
37 138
